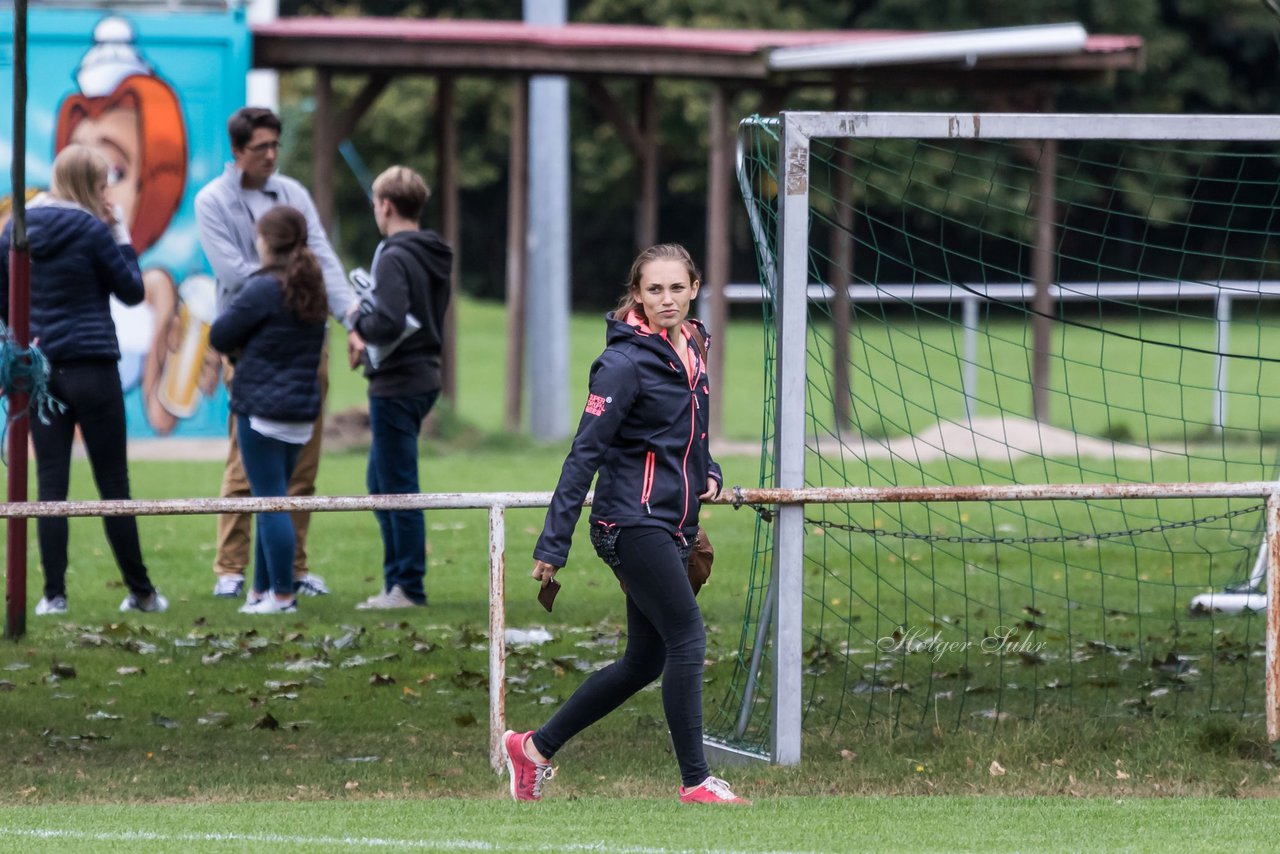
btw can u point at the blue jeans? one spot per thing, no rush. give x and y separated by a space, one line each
268 463
393 470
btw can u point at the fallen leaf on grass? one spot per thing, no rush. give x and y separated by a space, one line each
470 679
102 716
351 785
63 671
162 721
130 671
214 719
6 685
848 755
996 769
267 721
212 658
382 679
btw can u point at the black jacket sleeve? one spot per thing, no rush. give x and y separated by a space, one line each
615 383
117 265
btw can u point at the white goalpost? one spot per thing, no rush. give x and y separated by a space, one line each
790 282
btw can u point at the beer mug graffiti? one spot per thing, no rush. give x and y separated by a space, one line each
180 380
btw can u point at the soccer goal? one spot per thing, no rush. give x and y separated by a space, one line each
1002 300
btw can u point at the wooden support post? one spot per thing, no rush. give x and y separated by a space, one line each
1042 269
447 187
324 151
647 204
716 269
840 271
517 234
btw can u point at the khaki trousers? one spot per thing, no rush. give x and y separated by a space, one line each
235 543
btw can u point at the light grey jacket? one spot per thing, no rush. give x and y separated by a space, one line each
227 237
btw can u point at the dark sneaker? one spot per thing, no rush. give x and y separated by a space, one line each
712 790
527 776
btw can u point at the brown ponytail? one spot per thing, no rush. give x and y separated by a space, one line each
284 231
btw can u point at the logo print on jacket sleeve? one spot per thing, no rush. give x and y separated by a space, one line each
596 404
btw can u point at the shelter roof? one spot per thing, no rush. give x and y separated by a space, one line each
435 45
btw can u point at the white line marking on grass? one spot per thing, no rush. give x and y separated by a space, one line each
345 841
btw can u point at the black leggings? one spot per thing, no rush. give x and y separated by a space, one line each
94 400
665 636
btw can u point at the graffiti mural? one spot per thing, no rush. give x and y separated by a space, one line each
152 93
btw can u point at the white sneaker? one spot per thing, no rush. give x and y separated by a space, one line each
269 604
393 598
228 586
56 605
311 585
155 605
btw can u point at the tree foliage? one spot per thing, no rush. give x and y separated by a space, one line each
1201 56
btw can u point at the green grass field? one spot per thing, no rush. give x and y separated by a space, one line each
783 824
202 729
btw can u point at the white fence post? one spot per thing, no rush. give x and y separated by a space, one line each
497 634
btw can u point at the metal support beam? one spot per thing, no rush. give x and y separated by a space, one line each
789 447
1273 619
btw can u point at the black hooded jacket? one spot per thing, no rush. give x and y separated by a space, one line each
412 277
645 430
76 265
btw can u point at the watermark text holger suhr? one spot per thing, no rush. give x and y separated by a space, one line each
1003 640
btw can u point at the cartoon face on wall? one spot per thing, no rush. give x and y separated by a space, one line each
124 109
130 114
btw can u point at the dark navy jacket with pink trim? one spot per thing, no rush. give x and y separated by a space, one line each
644 430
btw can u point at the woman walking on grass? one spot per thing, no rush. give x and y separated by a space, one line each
645 431
273 332
82 256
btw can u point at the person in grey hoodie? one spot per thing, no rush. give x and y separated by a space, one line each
81 256
402 323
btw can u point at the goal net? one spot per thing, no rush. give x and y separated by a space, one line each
1003 300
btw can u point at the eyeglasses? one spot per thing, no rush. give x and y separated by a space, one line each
263 146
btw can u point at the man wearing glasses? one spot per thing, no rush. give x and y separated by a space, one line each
226 210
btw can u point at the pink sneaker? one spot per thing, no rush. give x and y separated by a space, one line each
712 790
526 775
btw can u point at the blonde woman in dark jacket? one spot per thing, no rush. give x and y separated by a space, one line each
81 257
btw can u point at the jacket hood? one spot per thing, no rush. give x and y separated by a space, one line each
52 224
428 248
